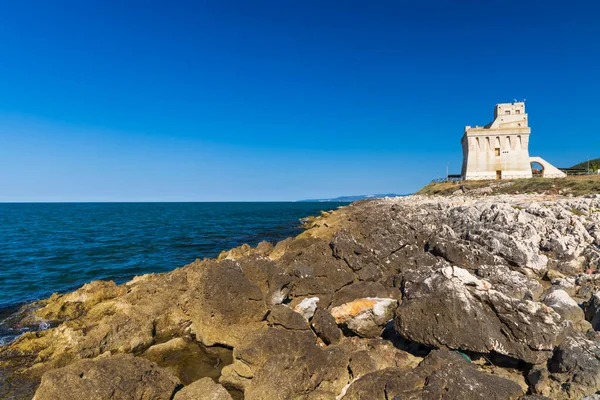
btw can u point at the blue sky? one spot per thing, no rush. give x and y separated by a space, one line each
279 100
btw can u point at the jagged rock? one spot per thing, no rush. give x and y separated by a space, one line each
203 389
564 305
459 252
440 309
511 283
286 317
73 305
361 289
325 327
368 355
106 378
406 249
592 310
313 269
189 360
317 373
307 307
250 356
576 366
225 306
442 374
365 317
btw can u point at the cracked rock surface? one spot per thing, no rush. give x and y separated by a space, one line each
400 298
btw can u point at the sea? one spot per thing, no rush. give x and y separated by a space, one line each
57 247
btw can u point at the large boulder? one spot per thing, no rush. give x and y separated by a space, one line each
203 389
366 317
575 368
225 306
441 375
250 356
189 360
441 309
325 327
592 310
564 305
120 377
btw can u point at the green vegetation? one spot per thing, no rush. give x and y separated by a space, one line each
577 212
594 165
575 185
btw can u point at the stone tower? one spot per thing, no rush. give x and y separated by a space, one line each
499 150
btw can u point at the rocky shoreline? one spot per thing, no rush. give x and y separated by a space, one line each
459 297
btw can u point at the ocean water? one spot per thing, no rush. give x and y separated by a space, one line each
57 247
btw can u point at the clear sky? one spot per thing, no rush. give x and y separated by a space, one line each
280 100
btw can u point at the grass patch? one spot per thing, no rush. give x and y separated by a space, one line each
575 185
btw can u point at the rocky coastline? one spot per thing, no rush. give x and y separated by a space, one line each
418 297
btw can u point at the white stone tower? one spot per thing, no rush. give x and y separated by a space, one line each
499 150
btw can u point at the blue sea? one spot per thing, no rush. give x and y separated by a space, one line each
57 247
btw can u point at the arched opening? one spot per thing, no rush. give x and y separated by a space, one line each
537 169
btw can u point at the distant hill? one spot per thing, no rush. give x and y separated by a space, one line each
348 199
583 165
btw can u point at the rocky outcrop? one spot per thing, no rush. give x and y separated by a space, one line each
440 308
366 317
346 310
442 374
203 389
113 377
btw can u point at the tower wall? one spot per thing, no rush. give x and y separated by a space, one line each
499 150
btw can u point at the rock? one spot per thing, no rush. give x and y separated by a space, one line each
441 309
307 307
368 355
364 289
366 317
73 305
189 360
592 310
511 283
465 272
286 317
203 389
225 306
442 374
317 374
115 377
564 305
553 274
325 327
575 367
250 356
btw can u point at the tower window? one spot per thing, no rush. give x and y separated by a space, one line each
507 112
518 111
497 151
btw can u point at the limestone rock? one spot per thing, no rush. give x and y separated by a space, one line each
366 317
564 305
441 310
317 374
107 378
203 389
592 310
576 366
286 317
362 289
442 374
189 360
258 348
324 325
307 307
225 306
